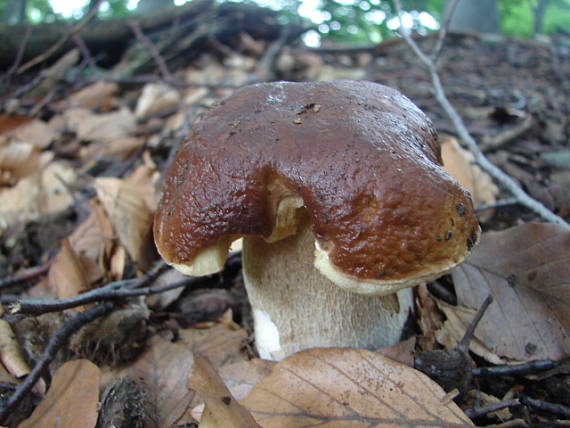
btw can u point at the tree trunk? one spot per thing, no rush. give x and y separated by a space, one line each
15 12
539 12
150 5
481 16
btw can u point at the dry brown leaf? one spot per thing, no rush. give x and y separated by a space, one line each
40 193
18 160
402 352
430 318
36 132
459 163
71 400
527 271
11 354
337 387
121 147
9 122
97 96
242 376
222 343
164 369
131 217
222 410
100 127
68 273
156 97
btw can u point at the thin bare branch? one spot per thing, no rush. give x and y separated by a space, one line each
443 30
504 179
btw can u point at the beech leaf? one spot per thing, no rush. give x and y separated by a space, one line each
336 387
71 400
527 271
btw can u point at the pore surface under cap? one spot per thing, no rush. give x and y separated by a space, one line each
363 158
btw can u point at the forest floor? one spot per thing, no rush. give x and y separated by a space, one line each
83 151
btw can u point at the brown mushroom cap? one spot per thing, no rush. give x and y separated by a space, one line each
361 158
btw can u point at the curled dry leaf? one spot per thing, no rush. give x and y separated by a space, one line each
71 400
527 271
349 387
18 160
100 127
130 215
35 132
97 96
459 163
72 273
164 369
155 98
40 193
222 410
11 355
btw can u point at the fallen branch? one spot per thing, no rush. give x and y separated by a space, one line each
507 181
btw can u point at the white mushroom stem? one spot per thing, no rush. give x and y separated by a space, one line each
295 307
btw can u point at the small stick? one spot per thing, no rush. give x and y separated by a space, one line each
25 276
158 59
476 412
517 369
506 180
443 30
466 339
497 204
114 291
553 408
50 351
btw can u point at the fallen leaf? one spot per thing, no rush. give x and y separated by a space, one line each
242 376
154 98
340 387
36 132
40 193
100 127
459 163
18 160
222 410
527 271
97 96
11 354
164 369
131 217
71 274
402 352
430 318
222 343
71 400
121 147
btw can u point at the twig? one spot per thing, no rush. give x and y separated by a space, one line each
466 339
75 29
19 55
553 408
50 351
158 59
84 50
25 276
443 30
476 412
114 291
497 204
517 369
508 182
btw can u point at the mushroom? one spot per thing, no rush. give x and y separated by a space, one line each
338 190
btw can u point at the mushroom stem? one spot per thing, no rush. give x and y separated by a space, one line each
295 307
